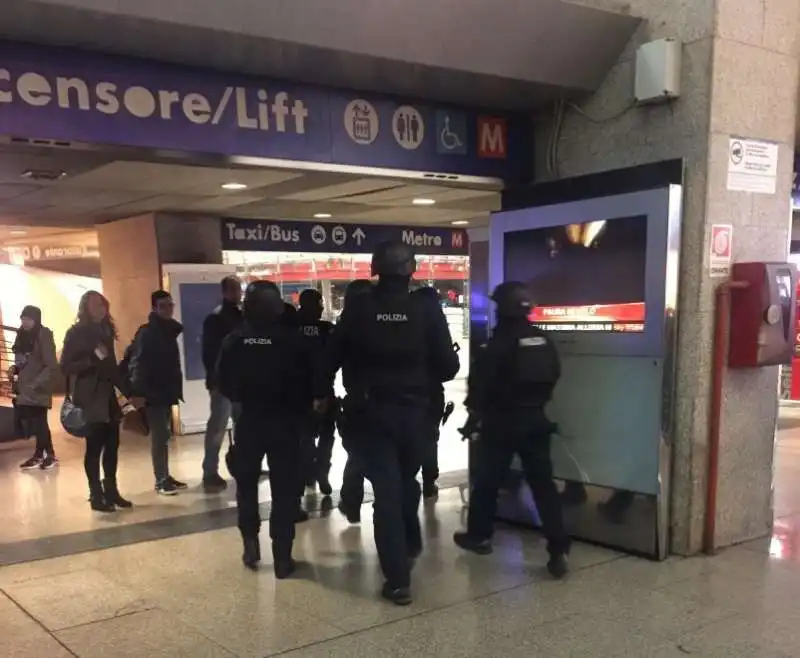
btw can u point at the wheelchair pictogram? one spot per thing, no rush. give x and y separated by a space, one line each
451 133
448 138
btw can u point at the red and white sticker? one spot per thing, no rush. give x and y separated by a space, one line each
720 251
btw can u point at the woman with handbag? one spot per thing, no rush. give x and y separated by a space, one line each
89 363
35 364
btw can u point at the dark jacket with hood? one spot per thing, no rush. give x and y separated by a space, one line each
155 363
92 381
35 362
223 320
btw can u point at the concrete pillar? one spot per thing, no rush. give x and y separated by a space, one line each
132 252
130 271
739 78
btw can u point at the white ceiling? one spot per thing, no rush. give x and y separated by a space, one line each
100 188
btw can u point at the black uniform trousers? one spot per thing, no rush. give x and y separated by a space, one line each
275 437
352 491
317 445
430 454
526 433
387 438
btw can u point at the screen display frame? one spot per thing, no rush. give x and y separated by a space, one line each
661 209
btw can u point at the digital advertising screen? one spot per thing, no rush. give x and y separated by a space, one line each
584 277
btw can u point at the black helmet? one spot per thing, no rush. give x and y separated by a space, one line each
393 259
513 299
310 297
429 293
262 303
357 287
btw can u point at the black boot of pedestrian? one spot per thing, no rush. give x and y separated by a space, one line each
97 499
283 563
113 496
400 596
252 552
557 565
429 489
478 546
324 484
351 512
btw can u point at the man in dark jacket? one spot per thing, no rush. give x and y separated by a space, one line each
157 381
223 320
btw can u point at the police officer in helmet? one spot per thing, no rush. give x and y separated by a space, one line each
275 376
392 344
436 410
316 458
351 495
510 382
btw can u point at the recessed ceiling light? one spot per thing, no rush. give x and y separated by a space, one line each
459 222
322 215
423 202
17 233
234 186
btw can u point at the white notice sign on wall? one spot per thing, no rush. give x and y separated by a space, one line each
752 166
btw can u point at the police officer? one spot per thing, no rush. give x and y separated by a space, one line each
289 319
275 376
351 495
430 458
317 459
391 342
511 381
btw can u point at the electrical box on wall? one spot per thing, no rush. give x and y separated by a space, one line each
658 72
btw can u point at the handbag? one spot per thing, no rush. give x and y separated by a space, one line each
72 417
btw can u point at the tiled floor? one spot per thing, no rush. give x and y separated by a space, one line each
54 503
189 595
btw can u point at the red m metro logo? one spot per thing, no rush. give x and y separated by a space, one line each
458 239
492 137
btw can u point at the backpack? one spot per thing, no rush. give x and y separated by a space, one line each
125 363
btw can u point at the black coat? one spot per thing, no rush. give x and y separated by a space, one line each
155 363
223 320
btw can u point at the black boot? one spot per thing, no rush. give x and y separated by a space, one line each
429 489
97 499
351 512
283 563
252 552
324 483
113 496
557 565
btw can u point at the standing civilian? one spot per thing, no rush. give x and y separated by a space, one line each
93 378
223 320
35 364
157 382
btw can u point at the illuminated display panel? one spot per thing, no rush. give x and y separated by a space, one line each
584 277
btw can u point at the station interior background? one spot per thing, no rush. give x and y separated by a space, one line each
52 199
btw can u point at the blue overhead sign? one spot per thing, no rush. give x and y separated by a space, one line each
62 94
331 237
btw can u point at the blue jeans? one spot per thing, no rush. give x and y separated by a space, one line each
215 431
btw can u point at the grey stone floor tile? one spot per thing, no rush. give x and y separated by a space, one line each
39 644
152 633
75 598
747 635
349 646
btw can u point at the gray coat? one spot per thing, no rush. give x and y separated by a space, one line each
36 372
92 381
